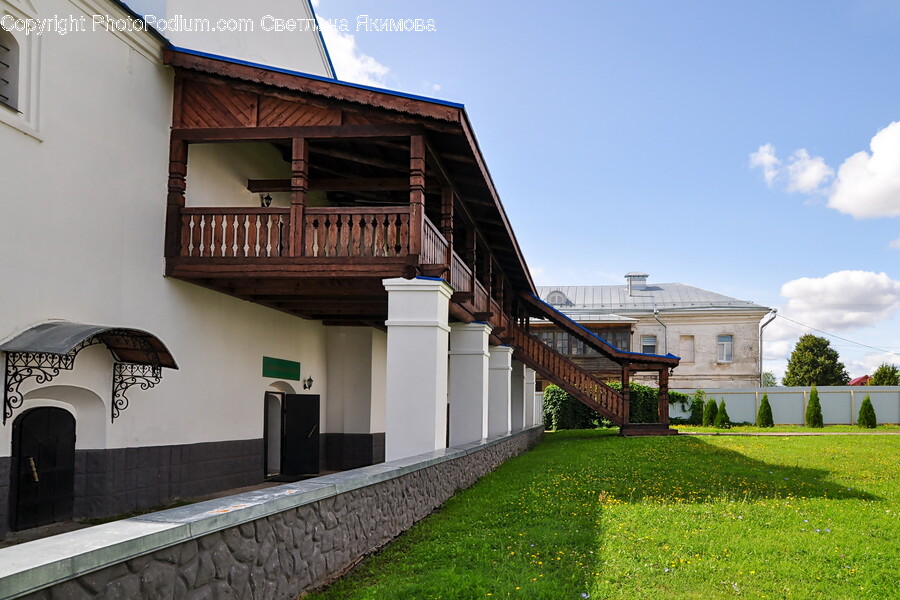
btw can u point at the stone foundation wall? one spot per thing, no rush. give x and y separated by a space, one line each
330 524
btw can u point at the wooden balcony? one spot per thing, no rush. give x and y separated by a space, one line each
332 270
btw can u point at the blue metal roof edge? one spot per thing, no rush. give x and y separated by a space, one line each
322 39
594 335
238 61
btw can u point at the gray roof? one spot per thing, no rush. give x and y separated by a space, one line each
661 296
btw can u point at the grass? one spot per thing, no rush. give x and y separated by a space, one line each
589 514
790 429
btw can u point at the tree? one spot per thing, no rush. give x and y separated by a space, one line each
722 420
764 415
885 374
867 414
697 403
709 413
814 362
814 409
769 379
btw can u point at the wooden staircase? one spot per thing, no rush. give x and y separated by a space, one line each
582 385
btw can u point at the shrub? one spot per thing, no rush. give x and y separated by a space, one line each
814 409
722 421
867 418
699 399
764 415
562 411
710 410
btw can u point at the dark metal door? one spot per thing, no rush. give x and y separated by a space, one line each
300 434
43 473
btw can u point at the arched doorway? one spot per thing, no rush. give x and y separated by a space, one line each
43 467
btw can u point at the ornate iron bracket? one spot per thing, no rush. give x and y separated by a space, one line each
126 375
42 366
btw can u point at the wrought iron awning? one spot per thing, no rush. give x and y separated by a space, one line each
42 351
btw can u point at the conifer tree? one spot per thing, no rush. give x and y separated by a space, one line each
764 416
867 418
814 409
709 413
722 420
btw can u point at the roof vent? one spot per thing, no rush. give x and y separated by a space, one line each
636 281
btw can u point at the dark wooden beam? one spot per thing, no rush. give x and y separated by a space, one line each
246 134
350 184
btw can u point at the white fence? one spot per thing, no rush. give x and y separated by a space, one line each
840 404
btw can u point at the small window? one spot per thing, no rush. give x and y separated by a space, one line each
686 348
9 69
557 299
648 344
726 348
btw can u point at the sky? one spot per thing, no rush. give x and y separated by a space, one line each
751 148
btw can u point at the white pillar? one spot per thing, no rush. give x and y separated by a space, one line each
517 396
498 414
530 419
469 345
417 344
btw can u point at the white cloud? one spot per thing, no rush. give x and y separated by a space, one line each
350 64
805 173
868 185
895 245
765 159
842 300
802 173
868 363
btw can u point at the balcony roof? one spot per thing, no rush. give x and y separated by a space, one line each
375 112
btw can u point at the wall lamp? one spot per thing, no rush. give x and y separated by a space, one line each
265 201
307 385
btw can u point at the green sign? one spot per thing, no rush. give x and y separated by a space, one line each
279 368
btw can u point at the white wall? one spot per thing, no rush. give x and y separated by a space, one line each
298 50
356 380
83 226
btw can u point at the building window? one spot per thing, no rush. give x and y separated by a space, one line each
686 348
648 344
726 348
557 299
9 70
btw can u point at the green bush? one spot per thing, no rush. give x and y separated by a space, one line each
643 402
764 415
867 418
699 399
814 409
562 411
722 421
710 410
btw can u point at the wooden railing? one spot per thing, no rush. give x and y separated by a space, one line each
434 246
460 275
589 390
356 232
234 232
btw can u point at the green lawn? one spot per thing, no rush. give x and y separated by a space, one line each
589 514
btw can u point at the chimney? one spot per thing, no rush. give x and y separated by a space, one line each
636 282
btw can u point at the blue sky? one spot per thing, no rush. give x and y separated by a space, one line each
620 136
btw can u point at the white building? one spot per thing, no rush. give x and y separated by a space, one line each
171 203
715 336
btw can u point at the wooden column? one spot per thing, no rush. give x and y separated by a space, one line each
626 394
471 253
416 192
178 154
299 188
664 396
447 220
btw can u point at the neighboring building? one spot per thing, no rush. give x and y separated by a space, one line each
864 380
715 336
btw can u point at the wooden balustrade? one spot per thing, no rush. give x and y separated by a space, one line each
586 388
460 275
234 232
434 246
356 232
